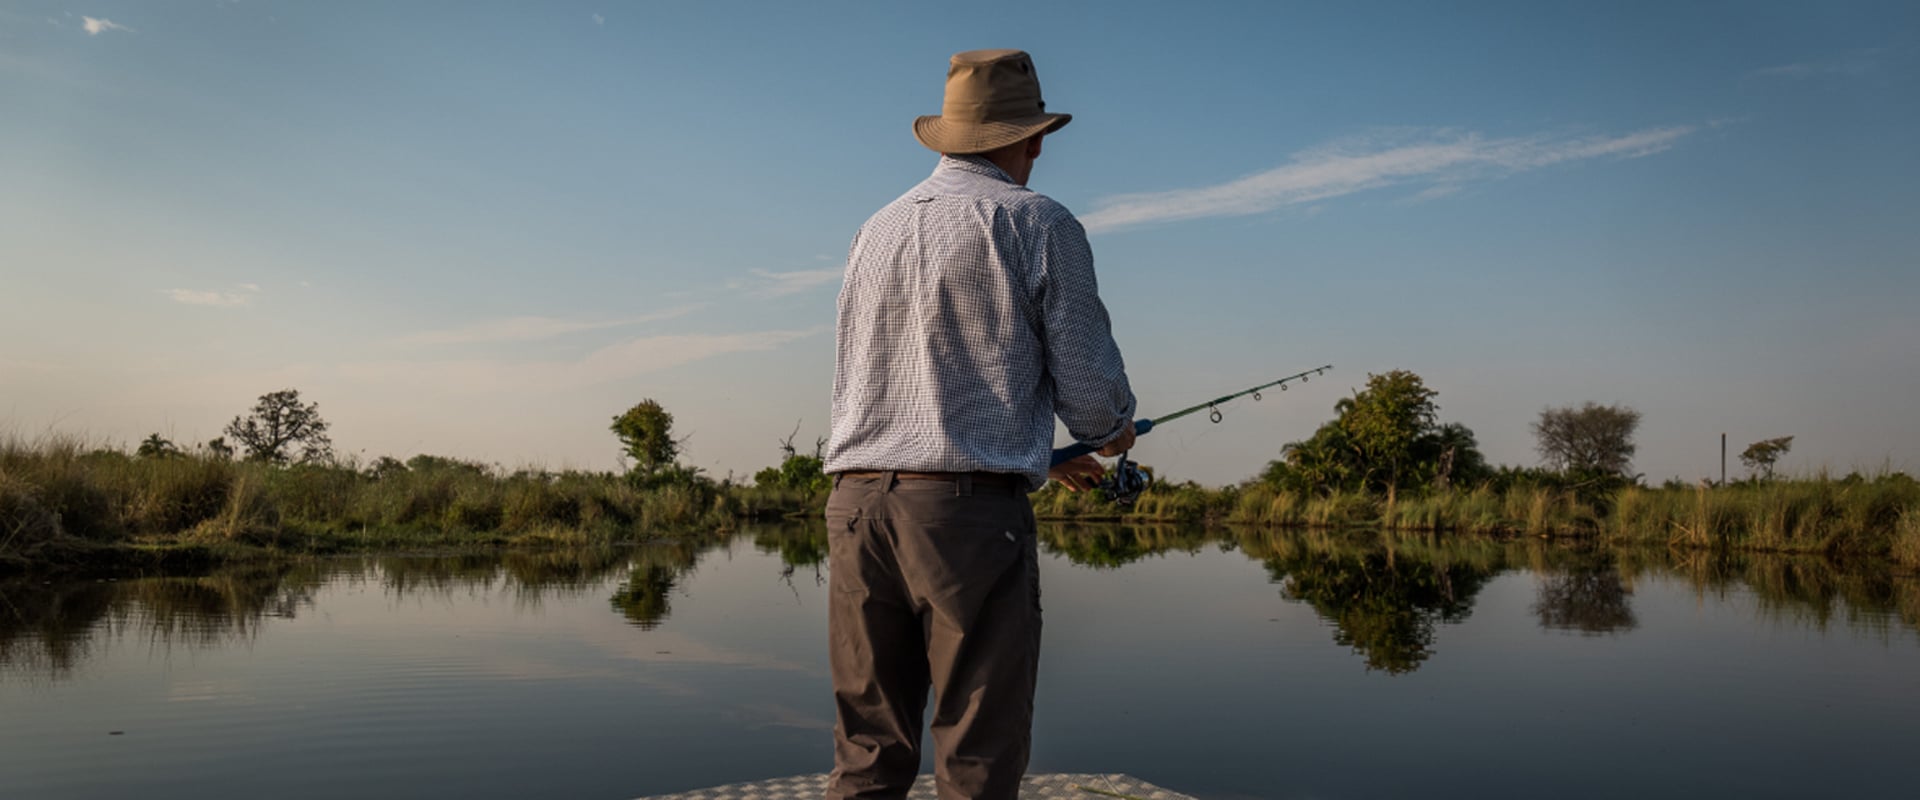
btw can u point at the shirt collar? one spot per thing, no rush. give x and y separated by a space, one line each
977 165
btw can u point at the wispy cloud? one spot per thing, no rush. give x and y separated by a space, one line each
95 27
1859 62
223 299
526 329
767 283
610 363
1434 192
599 21
1441 157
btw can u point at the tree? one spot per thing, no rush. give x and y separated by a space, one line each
218 448
1449 456
1384 438
154 446
1385 420
386 467
646 435
1593 439
279 430
1760 456
797 471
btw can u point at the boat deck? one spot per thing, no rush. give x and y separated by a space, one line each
1058 786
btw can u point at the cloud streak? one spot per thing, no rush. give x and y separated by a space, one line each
94 27
611 363
1857 63
766 283
215 298
1436 157
527 329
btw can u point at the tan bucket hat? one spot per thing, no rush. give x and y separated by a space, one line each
993 100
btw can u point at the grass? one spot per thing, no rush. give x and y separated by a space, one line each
62 501
1906 538
1851 516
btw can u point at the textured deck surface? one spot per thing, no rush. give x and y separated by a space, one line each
1036 787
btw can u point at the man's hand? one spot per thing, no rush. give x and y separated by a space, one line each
1121 443
1080 474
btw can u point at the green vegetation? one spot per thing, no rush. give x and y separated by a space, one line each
1385 439
63 502
646 436
1854 515
1385 461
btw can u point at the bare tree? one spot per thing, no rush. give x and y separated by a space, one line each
1591 439
279 428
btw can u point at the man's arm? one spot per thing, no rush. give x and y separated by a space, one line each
1091 393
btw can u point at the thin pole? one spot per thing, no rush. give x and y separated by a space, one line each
1723 459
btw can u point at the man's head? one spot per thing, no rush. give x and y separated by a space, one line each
1016 159
992 103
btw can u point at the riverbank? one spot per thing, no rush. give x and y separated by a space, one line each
1850 516
62 504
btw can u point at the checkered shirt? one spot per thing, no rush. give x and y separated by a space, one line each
969 318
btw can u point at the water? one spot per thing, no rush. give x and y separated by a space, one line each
1241 665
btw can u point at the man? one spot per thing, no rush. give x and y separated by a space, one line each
969 319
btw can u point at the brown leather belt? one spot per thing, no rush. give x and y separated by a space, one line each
994 480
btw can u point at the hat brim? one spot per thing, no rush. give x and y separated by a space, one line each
942 135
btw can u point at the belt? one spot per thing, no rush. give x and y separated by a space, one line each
990 480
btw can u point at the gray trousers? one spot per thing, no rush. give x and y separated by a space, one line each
933 584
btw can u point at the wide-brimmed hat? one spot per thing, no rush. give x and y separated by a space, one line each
993 100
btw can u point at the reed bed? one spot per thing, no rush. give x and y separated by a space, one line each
1855 515
61 499
1850 516
1906 538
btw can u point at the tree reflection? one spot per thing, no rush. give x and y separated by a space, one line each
645 597
1114 546
50 629
803 545
1385 596
1587 596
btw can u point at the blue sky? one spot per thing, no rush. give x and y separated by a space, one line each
483 229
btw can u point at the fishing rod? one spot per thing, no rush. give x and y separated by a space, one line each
1127 481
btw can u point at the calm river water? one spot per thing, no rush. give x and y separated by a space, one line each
1233 665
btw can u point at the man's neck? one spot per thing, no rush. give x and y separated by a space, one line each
1014 163
1017 171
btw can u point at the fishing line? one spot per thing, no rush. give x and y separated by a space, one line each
1126 481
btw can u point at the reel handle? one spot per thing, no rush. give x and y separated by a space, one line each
1076 450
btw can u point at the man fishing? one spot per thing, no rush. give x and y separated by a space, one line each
968 321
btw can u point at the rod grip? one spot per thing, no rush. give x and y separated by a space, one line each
1076 450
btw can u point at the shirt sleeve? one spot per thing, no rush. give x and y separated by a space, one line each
1091 393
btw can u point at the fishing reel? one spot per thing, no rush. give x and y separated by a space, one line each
1124 483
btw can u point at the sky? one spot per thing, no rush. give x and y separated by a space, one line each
483 229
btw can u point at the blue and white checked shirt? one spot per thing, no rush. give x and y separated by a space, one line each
969 318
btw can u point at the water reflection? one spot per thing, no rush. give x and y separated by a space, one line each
1385 596
798 545
50 629
1586 595
1388 597
1117 545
